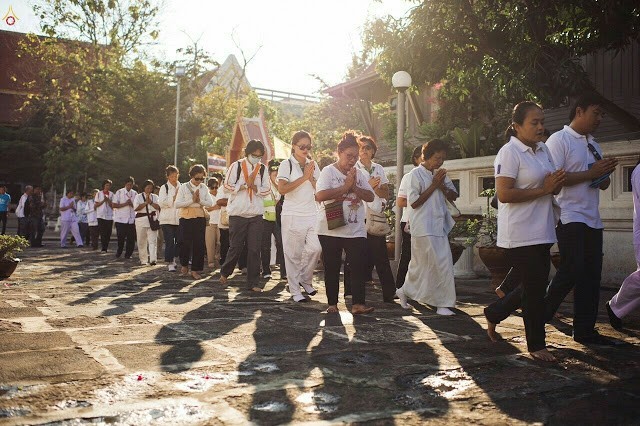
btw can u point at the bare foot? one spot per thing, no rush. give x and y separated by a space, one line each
223 280
361 309
195 275
184 270
543 355
256 289
332 309
491 332
500 293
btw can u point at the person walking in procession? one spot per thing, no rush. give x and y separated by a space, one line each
169 219
146 207
124 216
104 213
69 220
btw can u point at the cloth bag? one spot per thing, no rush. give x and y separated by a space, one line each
335 214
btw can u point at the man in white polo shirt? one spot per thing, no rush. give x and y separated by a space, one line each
124 216
580 228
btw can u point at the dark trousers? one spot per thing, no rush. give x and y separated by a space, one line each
192 243
224 244
23 227
268 229
94 231
405 256
126 234
36 230
3 219
580 269
376 257
356 249
105 227
171 235
531 265
84 232
244 231
509 283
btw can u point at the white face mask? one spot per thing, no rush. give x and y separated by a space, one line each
253 160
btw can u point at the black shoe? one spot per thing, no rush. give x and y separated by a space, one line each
596 339
118 255
613 319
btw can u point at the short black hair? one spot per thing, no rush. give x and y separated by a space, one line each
171 169
433 146
129 179
213 183
417 153
147 183
254 144
106 181
274 165
195 169
583 102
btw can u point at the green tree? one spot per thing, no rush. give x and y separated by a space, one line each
492 53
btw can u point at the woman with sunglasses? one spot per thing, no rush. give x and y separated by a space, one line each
247 183
193 197
297 179
341 189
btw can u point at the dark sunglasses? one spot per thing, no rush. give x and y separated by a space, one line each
304 147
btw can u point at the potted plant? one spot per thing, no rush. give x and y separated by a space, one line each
459 233
10 245
391 219
484 234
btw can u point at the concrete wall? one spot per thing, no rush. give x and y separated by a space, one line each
616 204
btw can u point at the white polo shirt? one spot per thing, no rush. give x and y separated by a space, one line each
240 204
143 222
376 171
124 214
104 211
433 217
301 201
532 222
570 152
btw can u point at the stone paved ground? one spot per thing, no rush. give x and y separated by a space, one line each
87 339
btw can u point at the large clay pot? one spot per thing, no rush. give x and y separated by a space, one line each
456 250
495 259
6 268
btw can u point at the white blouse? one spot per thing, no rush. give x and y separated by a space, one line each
143 222
432 217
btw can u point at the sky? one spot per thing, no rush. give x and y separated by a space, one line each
294 39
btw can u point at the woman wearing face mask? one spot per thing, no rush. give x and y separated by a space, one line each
342 189
430 276
146 207
297 179
526 180
247 183
193 197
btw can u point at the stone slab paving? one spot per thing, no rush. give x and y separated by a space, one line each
87 339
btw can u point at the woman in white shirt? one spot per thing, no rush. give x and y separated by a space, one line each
81 213
401 203
430 276
193 197
342 189
104 212
147 209
376 244
92 220
526 180
124 216
246 183
169 220
69 220
297 179
212 235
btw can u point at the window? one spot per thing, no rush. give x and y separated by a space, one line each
626 178
487 183
456 183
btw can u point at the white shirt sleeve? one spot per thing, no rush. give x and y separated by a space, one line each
555 145
383 177
184 198
414 188
138 200
284 171
205 196
324 181
507 163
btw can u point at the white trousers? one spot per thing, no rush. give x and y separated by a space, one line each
628 297
147 244
65 227
302 250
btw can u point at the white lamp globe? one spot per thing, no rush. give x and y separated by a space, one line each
401 80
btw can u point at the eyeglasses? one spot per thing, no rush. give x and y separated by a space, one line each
303 147
200 179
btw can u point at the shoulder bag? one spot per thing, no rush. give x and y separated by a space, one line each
154 223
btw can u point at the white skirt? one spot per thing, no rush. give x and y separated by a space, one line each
430 276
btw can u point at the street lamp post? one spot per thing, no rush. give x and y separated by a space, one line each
401 81
179 73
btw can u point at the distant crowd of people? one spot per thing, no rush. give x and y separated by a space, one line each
547 192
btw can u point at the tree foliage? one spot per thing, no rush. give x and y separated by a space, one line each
493 53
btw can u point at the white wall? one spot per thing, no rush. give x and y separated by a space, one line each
616 206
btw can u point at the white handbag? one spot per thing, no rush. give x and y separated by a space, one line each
376 223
